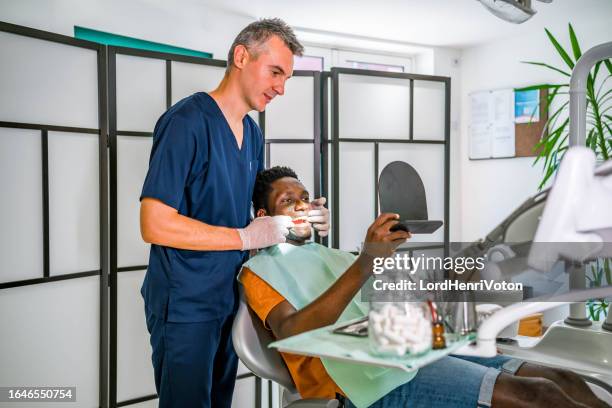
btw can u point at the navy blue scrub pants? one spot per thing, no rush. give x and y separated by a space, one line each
195 363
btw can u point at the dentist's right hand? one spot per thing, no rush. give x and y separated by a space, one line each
266 231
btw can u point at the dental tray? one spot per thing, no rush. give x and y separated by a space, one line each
325 343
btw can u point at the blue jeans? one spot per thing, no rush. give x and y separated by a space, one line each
451 382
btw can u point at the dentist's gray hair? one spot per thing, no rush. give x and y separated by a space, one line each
258 32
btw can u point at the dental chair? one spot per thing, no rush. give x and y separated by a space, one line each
251 341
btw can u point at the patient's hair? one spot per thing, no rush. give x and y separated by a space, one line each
263 185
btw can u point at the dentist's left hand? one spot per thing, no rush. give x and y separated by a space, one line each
318 216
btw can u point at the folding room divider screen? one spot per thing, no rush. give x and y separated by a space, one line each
53 256
82 115
377 118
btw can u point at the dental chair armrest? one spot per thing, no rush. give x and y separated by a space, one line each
314 403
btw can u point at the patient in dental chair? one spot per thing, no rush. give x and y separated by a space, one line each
323 282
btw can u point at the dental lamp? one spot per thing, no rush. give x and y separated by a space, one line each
514 11
577 221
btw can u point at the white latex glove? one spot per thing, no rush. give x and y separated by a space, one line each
318 216
263 232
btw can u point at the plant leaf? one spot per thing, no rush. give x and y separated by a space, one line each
608 65
551 123
591 311
598 276
590 87
601 86
609 130
605 101
558 112
596 70
602 145
549 173
552 160
602 99
551 97
560 49
547 145
547 66
574 41
589 138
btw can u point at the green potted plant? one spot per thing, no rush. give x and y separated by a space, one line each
554 141
600 275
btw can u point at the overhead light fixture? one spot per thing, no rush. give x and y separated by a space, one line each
514 11
353 42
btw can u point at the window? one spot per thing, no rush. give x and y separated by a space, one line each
321 58
365 60
375 67
308 62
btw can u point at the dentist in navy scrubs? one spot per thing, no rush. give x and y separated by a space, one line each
195 211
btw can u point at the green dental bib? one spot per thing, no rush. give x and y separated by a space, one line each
301 274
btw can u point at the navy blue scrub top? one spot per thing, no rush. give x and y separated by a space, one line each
197 168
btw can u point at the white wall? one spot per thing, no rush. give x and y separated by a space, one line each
446 63
491 189
202 27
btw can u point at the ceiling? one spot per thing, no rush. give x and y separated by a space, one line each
451 23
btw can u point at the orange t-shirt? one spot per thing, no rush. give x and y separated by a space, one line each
308 373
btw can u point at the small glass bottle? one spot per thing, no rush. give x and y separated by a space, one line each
439 342
438 335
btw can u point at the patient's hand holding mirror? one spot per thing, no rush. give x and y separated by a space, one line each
401 191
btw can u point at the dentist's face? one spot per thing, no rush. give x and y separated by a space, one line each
289 197
264 71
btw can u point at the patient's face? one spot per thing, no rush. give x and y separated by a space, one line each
289 197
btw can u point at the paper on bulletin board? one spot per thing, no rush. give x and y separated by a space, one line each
502 108
527 106
491 129
503 140
480 142
479 103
